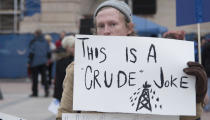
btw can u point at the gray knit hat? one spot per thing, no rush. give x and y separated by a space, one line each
119 5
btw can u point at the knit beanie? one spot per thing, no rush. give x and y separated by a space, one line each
119 5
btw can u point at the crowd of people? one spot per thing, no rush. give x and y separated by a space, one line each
111 18
43 55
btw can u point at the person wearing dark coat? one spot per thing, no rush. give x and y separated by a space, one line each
206 64
114 18
61 64
39 55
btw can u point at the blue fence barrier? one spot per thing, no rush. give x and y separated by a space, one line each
14 54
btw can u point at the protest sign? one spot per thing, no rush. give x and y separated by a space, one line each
108 116
133 75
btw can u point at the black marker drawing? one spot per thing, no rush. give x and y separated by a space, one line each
92 52
141 99
131 52
144 99
154 55
141 71
83 44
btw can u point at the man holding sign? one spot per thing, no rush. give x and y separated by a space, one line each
114 18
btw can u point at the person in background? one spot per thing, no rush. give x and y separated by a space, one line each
58 42
68 45
206 63
39 55
52 59
114 18
203 41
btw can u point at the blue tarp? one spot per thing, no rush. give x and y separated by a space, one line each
192 11
14 54
146 27
32 7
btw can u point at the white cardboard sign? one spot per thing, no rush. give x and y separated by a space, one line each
108 116
133 75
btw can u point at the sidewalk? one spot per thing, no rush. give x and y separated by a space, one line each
18 103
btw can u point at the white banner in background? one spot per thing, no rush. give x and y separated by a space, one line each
108 116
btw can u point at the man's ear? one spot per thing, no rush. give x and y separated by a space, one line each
130 26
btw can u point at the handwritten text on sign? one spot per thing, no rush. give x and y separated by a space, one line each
133 75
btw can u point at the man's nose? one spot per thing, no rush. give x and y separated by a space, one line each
107 30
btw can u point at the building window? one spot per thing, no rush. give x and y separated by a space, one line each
10 15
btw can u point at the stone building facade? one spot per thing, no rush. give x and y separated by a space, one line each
65 15
56 16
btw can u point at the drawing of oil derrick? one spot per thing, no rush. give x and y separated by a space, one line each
144 99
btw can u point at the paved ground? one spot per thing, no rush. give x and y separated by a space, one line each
17 102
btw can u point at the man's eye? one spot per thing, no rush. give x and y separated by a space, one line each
113 24
100 26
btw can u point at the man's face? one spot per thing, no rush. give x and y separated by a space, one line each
62 35
109 21
70 50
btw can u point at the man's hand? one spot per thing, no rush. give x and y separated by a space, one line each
206 99
198 71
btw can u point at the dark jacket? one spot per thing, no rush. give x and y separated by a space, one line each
39 51
206 58
60 74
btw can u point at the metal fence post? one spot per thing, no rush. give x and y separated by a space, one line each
1 95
